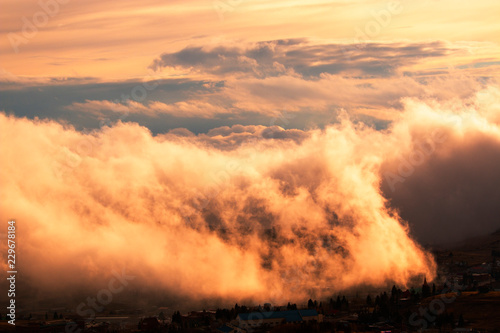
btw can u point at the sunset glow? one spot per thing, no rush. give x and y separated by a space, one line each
246 150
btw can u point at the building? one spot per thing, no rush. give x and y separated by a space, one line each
255 320
197 319
228 328
149 324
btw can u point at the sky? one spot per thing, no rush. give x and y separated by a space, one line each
248 148
208 63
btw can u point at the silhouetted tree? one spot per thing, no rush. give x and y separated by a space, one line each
394 292
310 304
461 322
176 317
384 298
384 304
345 304
433 289
426 290
338 304
369 301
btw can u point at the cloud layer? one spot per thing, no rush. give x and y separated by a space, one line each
241 212
274 58
231 82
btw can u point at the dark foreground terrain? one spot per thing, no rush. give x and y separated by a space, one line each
465 297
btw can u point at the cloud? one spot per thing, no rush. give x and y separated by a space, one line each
271 218
380 98
184 109
95 39
250 212
444 178
231 138
35 98
282 57
9 81
250 83
235 213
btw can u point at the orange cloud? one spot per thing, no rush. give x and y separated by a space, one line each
273 217
187 109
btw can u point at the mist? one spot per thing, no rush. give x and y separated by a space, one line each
250 212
